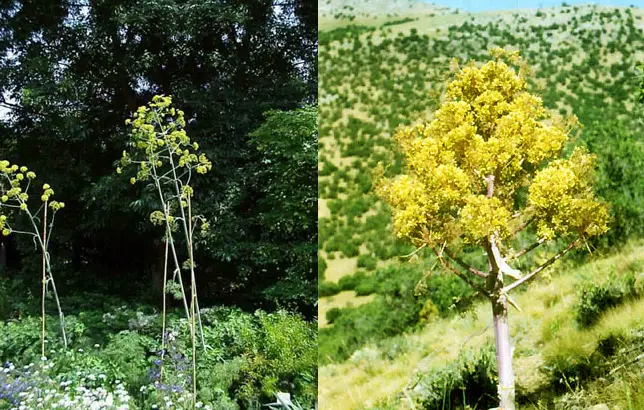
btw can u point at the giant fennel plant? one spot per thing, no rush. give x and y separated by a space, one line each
164 155
15 182
489 141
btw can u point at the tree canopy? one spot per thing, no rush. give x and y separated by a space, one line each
71 73
489 140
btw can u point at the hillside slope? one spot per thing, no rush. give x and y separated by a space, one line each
544 329
380 71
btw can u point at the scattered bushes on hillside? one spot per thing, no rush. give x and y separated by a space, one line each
396 22
402 296
620 154
341 33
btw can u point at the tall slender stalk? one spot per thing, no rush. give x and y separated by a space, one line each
50 278
193 303
166 208
44 282
165 281
188 234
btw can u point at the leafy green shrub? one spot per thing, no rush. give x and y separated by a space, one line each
594 299
367 261
367 286
396 22
326 288
471 379
428 312
332 314
351 282
349 249
321 268
21 339
286 360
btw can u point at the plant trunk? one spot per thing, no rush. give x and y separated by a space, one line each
503 353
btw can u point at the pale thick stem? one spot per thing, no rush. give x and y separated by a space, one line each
193 306
503 354
61 316
194 279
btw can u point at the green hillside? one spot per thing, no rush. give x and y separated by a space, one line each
380 70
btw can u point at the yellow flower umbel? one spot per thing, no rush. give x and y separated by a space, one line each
163 152
490 126
159 142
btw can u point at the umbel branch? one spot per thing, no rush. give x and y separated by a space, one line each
448 266
542 267
526 250
464 265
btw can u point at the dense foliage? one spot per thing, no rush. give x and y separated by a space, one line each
115 346
72 71
208 107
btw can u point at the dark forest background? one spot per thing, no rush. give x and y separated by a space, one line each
72 72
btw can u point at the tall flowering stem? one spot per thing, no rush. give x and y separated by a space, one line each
164 154
15 182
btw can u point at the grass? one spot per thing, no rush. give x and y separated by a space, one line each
544 327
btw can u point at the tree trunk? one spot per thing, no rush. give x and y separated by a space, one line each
503 353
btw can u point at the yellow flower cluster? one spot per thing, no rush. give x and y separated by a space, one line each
158 140
47 192
158 218
16 196
482 216
4 228
489 126
563 200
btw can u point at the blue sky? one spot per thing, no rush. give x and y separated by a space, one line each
484 5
